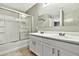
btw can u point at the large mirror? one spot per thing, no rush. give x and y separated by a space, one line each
45 21
72 18
59 16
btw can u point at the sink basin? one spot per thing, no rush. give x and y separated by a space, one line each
68 38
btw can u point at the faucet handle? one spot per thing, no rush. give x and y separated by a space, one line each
61 34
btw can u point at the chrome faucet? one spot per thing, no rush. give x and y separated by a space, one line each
61 34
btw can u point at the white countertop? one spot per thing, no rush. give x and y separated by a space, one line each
66 38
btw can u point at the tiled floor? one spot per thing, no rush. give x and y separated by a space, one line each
20 52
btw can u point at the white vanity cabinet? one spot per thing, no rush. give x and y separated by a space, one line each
39 48
51 47
50 50
61 48
36 45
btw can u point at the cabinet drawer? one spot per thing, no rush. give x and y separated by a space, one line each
36 37
48 41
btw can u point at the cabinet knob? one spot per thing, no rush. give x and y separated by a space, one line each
58 52
53 50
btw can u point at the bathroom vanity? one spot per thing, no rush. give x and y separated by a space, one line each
46 44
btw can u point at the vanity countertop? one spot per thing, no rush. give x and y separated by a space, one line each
66 38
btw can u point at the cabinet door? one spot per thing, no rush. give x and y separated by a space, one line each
48 50
12 30
62 52
39 47
33 45
36 45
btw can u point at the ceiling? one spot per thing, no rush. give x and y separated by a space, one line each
23 7
53 9
50 9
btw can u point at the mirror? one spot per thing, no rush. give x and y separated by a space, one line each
52 17
45 21
71 18
48 21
